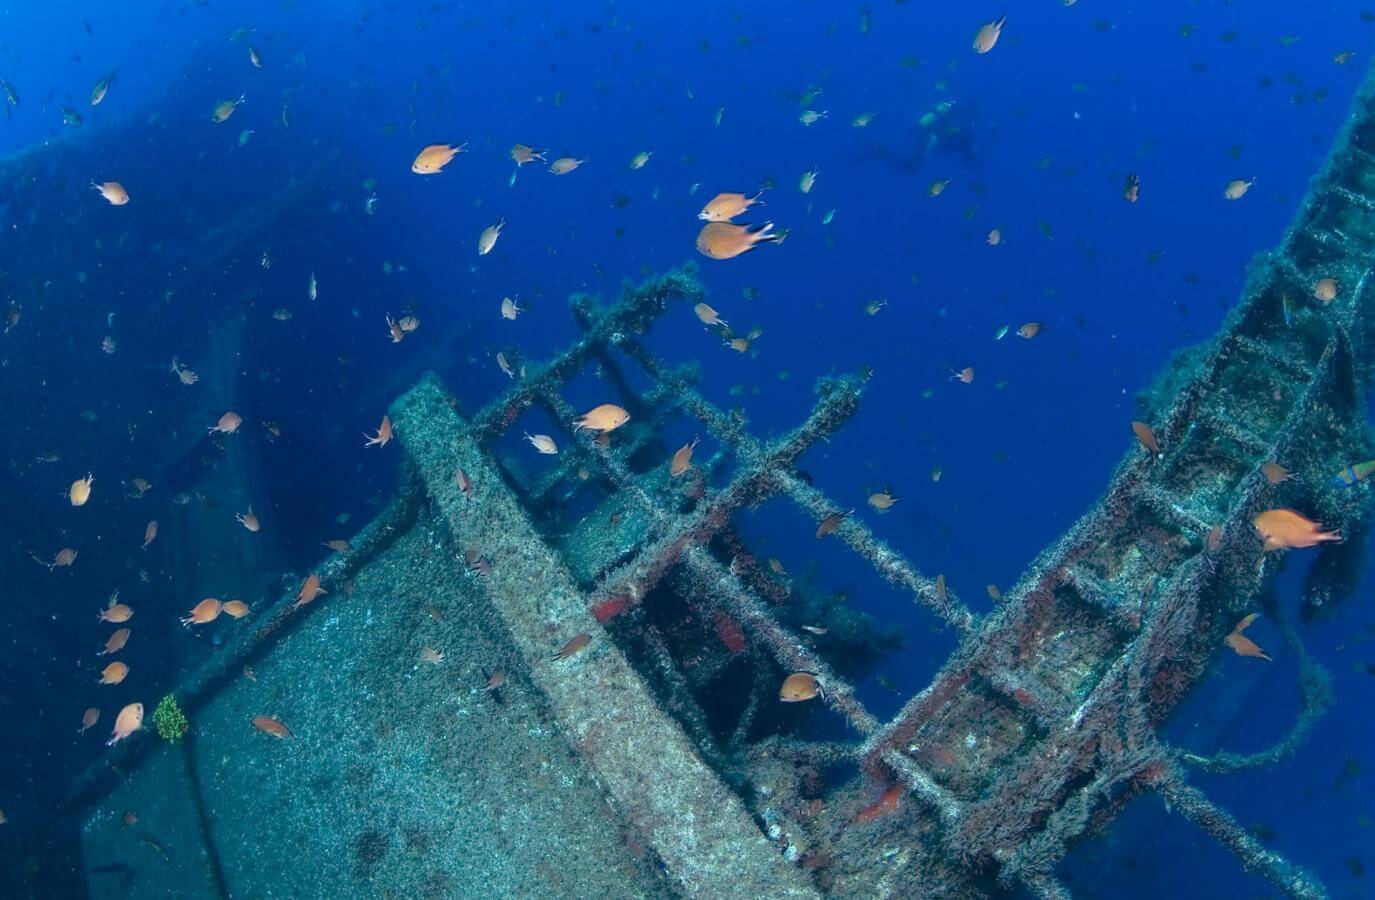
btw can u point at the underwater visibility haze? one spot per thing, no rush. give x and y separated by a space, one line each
623 449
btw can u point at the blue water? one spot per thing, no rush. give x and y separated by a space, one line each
1050 122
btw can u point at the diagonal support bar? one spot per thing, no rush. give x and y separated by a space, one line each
1195 806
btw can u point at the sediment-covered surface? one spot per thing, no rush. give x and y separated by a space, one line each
401 777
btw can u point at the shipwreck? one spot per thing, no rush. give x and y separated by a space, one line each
626 769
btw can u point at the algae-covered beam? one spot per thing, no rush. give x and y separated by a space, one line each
1036 789
1171 624
647 766
684 541
887 561
1193 805
854 533
789 650
1045 887
635 311
754 481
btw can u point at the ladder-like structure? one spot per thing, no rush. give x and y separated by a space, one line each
1045 721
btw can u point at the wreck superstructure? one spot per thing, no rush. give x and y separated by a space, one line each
624 770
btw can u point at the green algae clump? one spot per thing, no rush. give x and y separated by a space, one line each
170 720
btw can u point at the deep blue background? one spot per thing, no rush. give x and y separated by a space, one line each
1069 102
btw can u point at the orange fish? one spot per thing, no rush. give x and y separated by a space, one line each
1284 529
523 154
1275 473
495 681
1131 191
831 523
965 375
1325 290
433 159
382 436
488 239
1029 330
339 546
565 164
269 725
113 192
118 614
80 490
724 240
1237 188
224 109
987 35
248 520
65 557
235 608
129 720
542 443
114 673
506 366
882 500
227 423
431 655
310 589
89 718
1214 540
682 459
707 316
208 610
1147 439
724 207
607 417
576 644
116 642
150 533
800 686
1242 645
